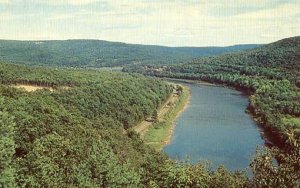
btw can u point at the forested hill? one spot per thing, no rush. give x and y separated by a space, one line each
73 135
76 132
271 61
96 53
270 72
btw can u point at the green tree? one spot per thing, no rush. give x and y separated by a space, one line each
284 173
155 116
7 150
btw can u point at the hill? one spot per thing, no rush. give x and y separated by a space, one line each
271 76
75 130
271 73
78 133
97 53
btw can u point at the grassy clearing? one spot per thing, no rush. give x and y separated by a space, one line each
31 88
159 134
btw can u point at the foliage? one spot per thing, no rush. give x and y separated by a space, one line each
78 135
158 134
96 53
7 148
284 173
270 74
75 136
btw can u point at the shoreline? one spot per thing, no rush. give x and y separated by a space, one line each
187 81
270 138
160 133
143 126
186 103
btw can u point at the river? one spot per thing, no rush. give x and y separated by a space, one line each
215 128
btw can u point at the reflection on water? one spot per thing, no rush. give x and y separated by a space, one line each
215 128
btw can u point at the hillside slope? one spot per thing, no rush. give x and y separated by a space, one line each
80 136
270 72
96 53
72 133
74 136
271 75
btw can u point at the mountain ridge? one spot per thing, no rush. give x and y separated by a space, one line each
100 53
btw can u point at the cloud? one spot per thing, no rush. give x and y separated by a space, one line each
69 2
5 16
169 22
282 11
61 16
5 1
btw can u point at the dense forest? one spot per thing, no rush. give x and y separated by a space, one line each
78 134
271 74
77 131
96 53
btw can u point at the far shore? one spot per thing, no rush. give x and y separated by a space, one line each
189 81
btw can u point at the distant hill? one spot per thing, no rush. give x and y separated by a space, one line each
271 73
278 60
76 129
97 53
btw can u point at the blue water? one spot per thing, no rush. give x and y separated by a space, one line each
215 128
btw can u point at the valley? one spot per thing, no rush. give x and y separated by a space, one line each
66 123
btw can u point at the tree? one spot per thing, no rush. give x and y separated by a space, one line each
155 116
7 150
284 173
179 90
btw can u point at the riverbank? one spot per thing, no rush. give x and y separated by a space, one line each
143 126
182 105
271 137
160 133
189 81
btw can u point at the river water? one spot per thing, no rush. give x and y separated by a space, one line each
215 128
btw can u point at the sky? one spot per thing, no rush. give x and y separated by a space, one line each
160 22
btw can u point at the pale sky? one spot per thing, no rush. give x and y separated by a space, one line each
161 22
